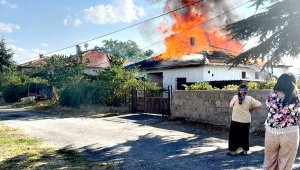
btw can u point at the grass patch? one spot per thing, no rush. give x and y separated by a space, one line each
19 152
55 109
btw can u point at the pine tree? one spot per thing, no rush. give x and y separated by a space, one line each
278 29
5 56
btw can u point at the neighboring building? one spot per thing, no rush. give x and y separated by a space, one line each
31 65
296 72
198 68
277 70
96 61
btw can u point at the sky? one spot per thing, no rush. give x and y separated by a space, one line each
35 27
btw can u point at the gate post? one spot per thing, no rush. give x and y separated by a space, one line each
133 101
169 103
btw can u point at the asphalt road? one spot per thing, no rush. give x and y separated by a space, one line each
137 141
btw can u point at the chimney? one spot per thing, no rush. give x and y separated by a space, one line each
78 53
192 41
78 50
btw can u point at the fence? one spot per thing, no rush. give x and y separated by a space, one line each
151 101
213 107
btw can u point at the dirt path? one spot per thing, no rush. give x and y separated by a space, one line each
136 141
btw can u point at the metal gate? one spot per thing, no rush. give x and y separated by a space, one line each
151 101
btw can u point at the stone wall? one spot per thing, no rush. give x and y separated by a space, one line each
213 107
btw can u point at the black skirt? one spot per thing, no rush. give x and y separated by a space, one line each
239 136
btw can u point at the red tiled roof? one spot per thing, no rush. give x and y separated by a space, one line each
35 63
95 59
98 59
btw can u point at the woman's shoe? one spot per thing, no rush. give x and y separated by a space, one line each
243 153
231 154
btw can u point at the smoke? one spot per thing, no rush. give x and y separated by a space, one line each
217 8
211 8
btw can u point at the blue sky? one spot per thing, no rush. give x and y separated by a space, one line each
32 27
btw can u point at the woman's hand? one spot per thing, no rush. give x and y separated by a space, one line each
253 109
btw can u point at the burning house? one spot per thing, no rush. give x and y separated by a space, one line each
196 47
201 67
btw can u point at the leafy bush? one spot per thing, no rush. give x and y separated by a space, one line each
230 87
253 86
298 84
78 94
199 86
110 87
15 86
267 85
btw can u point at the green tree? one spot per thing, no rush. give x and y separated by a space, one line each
6 55
277 28
116 82
61 71
128 50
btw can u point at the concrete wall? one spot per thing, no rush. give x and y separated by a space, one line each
222 72
192 74
92 70
204 73
213 107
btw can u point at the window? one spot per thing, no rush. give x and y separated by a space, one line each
179 83
256 75
243 75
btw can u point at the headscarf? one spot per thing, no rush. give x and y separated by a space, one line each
242 91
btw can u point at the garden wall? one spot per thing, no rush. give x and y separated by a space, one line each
213 107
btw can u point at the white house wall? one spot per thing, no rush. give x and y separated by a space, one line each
278 71
93 71
192 74
222 72
200 74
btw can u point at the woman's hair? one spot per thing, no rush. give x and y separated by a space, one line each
286 83
242 91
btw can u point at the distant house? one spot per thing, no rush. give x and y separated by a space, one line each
277 70
32 64
96 61
204 67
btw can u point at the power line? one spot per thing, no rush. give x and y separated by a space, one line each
156 18
190 28
122 29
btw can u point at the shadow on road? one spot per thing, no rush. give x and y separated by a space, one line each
153 152
205 150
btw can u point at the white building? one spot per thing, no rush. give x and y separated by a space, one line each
198 68
277 70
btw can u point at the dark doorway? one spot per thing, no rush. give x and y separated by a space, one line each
156 78
180 82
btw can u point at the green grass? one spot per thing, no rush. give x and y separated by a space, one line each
57 110
19 152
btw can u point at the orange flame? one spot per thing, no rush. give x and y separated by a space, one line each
205 38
